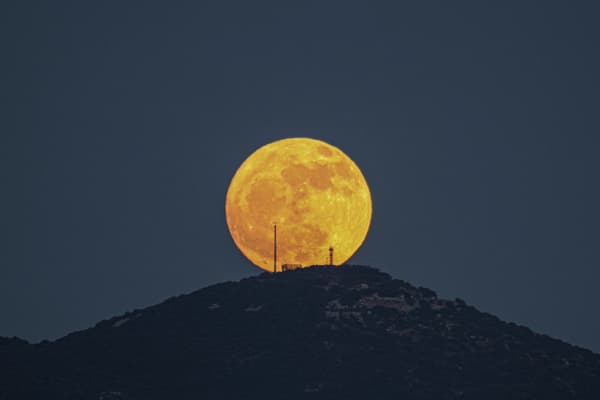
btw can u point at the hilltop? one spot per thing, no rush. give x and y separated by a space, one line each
348 332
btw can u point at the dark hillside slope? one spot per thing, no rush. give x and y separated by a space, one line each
322 332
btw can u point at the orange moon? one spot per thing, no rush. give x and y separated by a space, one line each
315 194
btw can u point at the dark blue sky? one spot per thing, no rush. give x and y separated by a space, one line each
476 126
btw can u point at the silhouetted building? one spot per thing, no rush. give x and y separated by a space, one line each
290 267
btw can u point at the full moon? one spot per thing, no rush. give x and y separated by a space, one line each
315 195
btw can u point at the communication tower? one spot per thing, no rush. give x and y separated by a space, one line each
274 248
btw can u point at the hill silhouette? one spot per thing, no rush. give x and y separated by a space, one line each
316 333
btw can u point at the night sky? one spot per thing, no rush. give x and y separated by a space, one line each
476 126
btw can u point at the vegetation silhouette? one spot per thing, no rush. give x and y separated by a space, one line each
347 332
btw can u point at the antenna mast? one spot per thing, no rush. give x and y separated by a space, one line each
330 255
274 247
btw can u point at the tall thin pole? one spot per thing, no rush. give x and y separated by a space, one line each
330 255
274 247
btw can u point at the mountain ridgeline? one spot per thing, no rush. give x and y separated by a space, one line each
316 333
